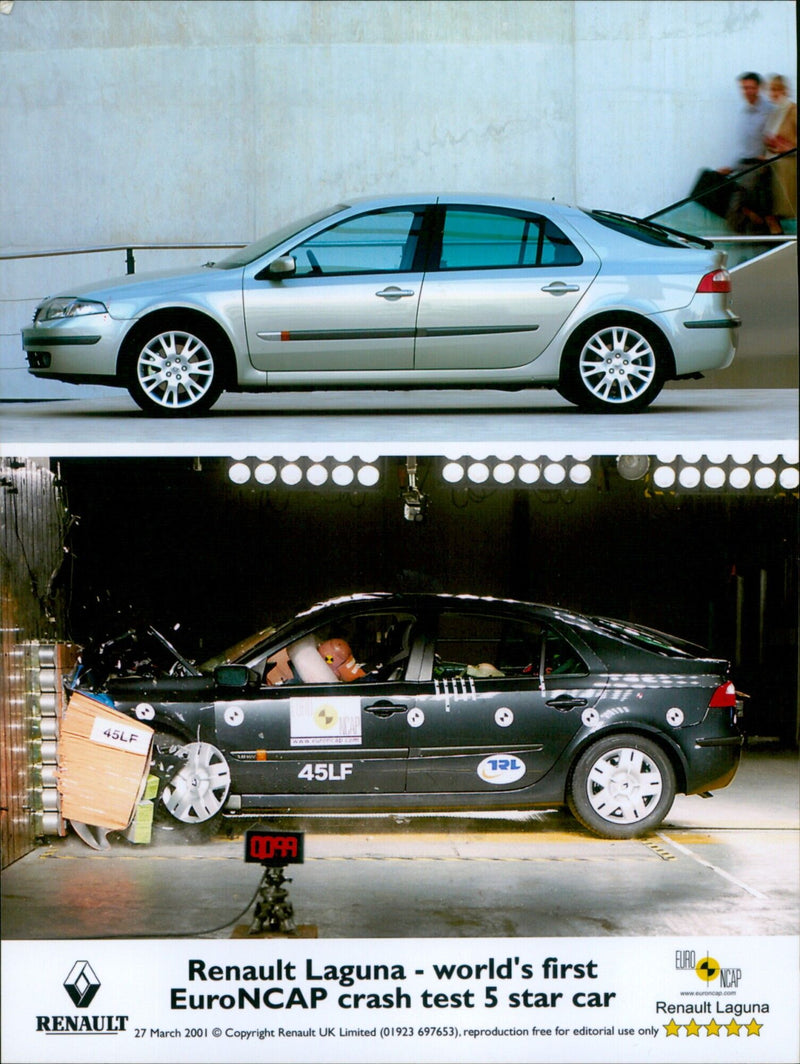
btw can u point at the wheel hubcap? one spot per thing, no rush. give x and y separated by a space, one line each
199 788
175 369
617 365
624 786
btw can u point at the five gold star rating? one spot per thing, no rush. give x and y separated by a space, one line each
712 1028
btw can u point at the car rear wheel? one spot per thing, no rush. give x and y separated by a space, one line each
621 787
616 367
174 372
195 778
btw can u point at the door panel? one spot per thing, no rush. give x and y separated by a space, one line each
313 738
505 697
504 286
351 305
475 736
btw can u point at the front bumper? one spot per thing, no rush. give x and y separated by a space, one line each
75 349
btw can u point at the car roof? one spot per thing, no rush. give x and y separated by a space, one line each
497 199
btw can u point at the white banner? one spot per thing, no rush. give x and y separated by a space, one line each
299 1000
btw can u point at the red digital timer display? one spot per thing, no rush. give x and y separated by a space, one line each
273 848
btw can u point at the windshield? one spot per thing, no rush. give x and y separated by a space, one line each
237 651
246 255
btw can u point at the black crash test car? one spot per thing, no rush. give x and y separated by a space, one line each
412 703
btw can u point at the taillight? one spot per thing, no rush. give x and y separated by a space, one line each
716 281
724 697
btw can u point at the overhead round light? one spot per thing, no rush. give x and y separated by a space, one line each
691 455
317 475
529 473
453 472
789 479
368 476
580 473
266 473
739 477
714 477
239 472
291 474
554 473
343 475
765 477
633 466
689 477
503 473
742 455
664 477
716 454
478 472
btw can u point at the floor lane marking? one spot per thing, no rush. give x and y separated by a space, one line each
714 868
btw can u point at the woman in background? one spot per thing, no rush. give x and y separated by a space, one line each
780 135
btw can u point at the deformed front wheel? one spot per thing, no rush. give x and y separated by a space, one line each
621 787
174 372
616 367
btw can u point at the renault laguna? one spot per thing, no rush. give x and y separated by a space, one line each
419 703
408 292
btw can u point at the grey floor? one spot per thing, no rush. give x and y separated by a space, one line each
423 422
725 865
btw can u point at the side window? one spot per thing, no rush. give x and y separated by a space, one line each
560 658
481 240
381 242
487 647
556 249
364 648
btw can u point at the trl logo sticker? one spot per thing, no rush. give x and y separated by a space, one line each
501 768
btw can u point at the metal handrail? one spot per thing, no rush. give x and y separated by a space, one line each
127 248
723 180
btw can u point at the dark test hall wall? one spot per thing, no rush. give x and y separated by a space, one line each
174 542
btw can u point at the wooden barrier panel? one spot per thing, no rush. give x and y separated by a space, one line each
103 758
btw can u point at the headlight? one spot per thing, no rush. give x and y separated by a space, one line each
68 307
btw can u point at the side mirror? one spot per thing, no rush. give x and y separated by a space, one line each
285 266
238 676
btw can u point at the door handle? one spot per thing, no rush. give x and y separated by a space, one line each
567 702
385 709
393 292
559 288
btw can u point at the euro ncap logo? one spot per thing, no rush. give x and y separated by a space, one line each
82 984
707 969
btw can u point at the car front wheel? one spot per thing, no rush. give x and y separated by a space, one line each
621 787
616 367
174 372
196 781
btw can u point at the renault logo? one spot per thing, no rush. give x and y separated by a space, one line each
82 984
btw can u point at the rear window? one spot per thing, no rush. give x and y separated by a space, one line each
646 232
650 639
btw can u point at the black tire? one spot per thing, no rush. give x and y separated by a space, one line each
194 784
621 787
613 366
172 369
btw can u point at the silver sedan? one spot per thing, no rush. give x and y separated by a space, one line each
408 292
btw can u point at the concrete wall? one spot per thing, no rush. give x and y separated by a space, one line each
191 120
